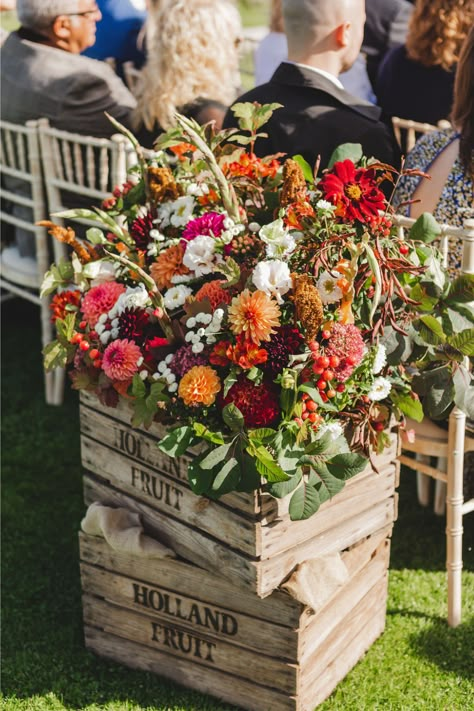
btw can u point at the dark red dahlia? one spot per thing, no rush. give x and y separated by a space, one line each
258 403
353 190
140 230
285 342
133 325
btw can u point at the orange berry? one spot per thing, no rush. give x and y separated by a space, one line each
313 417
84 345
311 405
328 374
322 384
331 393
94 353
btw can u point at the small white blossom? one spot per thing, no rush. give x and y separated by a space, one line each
156 376
205 318
228 223
188 337
254 227
191 322
176 296
115 323
325 205
218 314
380 359
180 278
103 318
169 358
333 428
173 387
328 288
133 298
211 340
197 347
140 361
152 250
144 374
277 238
183 211
100 328
201 332
115 333
272 277
380 389
104 337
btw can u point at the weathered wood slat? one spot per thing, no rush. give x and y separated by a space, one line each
170 496
187 542
183 577
191 613
183 671
157 632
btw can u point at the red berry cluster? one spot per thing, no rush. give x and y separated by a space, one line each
324 366
309 412
79 339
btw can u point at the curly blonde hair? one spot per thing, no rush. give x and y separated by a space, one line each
462 115
192 53
437 30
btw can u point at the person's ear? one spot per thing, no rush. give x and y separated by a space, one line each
342 34
62 27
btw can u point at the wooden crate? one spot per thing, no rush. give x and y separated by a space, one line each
247 538
179 621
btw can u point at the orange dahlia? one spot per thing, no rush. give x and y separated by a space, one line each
215 293
255 315
199 386
168 265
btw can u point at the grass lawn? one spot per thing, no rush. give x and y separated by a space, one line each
418 663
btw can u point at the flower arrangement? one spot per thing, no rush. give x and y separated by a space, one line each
271 318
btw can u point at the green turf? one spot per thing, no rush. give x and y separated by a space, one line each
417 664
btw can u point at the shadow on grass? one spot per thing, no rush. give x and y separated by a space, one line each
451 649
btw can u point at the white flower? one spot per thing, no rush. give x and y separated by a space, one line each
176 296
333 428
104 337
380 358
380 389
99 271
273 278
191 322
325 205
173 387
133 298
199 256
328 288
254 227
144 374
277 238
180 278
183 210
197 347
218 315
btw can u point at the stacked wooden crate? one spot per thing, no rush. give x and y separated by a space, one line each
215 620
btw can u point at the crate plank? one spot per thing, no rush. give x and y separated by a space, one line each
156 631
182 671
190 613
182 577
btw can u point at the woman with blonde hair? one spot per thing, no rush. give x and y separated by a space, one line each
448 156
416 80
192 64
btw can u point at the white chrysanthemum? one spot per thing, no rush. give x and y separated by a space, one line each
380 389
333 428
100 271
328 288
273 278
183 210
200 256
380 358
325 205
134 298
180 278
176 296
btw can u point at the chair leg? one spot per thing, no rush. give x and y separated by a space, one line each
454 501
423 482
440 489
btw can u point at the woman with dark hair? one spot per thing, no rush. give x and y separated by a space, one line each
448 156
416 80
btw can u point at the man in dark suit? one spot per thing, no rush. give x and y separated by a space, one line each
324 39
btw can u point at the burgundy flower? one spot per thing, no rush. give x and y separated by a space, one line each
132 325
285 342
258 403
353 190
184 359
140 230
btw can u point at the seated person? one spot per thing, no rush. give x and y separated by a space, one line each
386 26
192 64
416 80
118 32
324 39
448 156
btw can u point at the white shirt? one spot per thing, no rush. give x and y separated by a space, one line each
321 72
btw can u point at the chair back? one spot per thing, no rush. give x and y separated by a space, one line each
407 132
81 171
22 200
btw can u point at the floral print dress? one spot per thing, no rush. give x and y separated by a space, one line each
456 202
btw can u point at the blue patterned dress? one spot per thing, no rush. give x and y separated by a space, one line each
456 202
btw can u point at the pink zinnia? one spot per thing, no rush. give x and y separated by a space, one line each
347 344
211 224
99 300
120 359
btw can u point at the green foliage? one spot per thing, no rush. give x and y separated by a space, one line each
425 229
351 151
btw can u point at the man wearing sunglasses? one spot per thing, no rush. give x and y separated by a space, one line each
43 73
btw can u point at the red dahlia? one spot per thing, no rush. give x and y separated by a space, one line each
132 325
140 230
285 342
353 190
258 403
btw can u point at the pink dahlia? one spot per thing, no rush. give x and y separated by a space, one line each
347 344
258 403
99 300
120 359
211 224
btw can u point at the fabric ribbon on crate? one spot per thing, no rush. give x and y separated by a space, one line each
315 581
123 531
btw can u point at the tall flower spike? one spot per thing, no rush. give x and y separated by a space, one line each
308 305
294 184
84 251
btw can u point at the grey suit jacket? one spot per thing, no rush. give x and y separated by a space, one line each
70 90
